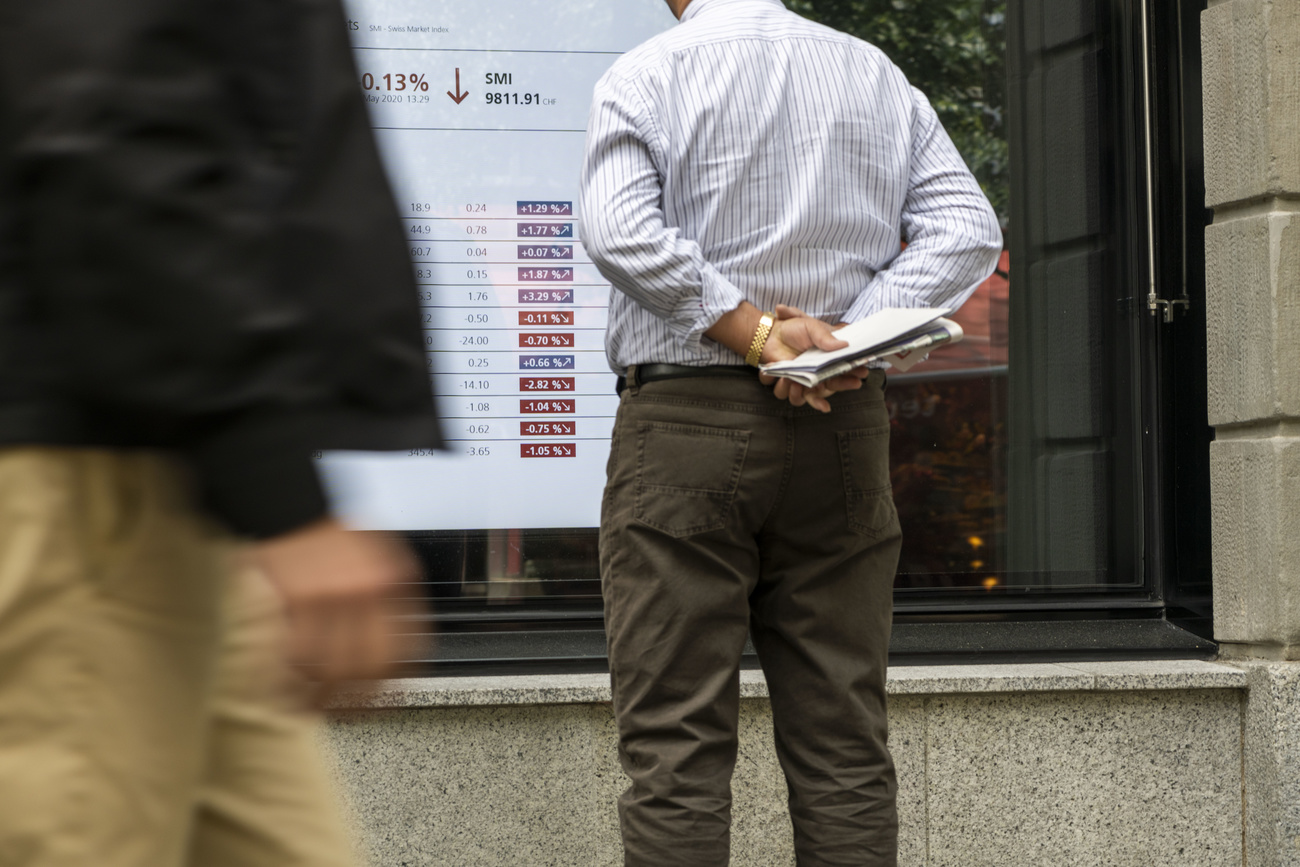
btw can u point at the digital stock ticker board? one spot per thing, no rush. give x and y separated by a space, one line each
480 112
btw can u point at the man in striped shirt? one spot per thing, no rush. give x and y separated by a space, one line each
747 161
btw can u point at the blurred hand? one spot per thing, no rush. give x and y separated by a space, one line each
340 590
792 333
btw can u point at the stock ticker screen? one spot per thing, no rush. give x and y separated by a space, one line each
480 112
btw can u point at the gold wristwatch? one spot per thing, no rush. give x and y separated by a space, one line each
761 334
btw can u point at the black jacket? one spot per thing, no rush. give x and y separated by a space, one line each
198 248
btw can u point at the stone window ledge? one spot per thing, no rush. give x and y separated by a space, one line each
544 689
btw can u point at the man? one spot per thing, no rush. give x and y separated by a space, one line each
747 161
202 281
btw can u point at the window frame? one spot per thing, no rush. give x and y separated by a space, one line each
1161 535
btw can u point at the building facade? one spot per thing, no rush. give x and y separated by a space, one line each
1077 713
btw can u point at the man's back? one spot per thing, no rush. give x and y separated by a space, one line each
787 151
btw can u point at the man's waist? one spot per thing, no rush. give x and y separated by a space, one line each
640 374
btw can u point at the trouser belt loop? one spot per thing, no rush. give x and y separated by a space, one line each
627 380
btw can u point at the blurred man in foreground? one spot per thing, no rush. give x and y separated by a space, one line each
202 281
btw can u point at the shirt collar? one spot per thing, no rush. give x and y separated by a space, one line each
697 6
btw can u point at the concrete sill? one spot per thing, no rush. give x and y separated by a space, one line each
544 689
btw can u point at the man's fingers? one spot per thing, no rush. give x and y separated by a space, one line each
817 397
344 643
373 644
806 333
299 637
337 644
319 640
790 337
306 652
339 590
785 311
843 382
823 337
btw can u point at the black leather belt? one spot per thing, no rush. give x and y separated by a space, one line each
640 374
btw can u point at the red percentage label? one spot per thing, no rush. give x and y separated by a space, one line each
546 340
547 450
545 317
554 405
542 383
546 428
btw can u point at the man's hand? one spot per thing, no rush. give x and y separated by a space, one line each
795 331
340 590
792 333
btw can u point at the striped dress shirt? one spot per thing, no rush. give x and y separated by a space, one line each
751 154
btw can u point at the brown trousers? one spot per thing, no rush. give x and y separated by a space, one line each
143 715
729 512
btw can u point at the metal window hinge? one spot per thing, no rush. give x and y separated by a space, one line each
1166 306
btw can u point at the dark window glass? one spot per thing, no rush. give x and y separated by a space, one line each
1020 467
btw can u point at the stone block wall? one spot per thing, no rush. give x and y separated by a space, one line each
1251 57
1074 765
1251 88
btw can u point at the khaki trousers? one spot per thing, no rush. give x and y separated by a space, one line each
729 512
143 716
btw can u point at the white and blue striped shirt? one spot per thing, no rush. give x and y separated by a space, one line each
751 154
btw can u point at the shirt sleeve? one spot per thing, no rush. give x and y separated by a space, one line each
952 233
624 228
145 223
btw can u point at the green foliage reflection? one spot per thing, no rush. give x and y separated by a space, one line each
955 52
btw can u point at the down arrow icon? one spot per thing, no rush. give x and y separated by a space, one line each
458 97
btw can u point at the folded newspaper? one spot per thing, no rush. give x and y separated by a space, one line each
899 336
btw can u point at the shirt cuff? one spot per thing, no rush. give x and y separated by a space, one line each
694 315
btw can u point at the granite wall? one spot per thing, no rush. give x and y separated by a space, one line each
1251 59
1133 764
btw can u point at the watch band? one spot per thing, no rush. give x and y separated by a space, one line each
761 334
